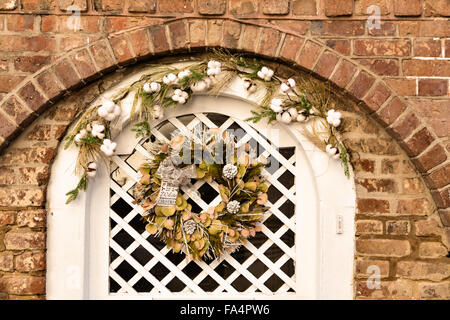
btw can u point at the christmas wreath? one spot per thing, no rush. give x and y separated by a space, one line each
233 172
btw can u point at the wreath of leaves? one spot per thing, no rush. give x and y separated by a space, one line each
217 230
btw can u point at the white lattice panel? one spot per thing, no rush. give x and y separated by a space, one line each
141 264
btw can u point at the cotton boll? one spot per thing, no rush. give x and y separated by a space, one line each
287 85
180 96
301 117
151 87
293 112
332 151
249 86
276 105
184 73
265 73
286 117
214 68
109 110
108 147
170 79
91 169
80 135
202 85
98 131
334 118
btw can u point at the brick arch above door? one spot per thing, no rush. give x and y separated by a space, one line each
375 97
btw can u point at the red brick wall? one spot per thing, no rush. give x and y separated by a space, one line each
399 75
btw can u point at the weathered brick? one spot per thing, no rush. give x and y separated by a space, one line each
387 28
398 289
81 5
33 176
383 247
309 54
419 142
361 85
22 197
414 207
50 85
442 201
290 47
148 6
427 228
426 68
432 28
6 262
413 186
434 290
243 7
405 126
340 45
377 97
176 6
431 158
436 113
417 270
275 7
24 240
30 261
7 176
32 97
382 67
404 87
344 73
31 64
433 87
20 22
16 43
6 217
268 43
391 111
398 227
361 6
140 43
304 7
249 38
66 74
369 227
365 267
197 33
377 185
8 4
439 178
338 28
17 111
373 47
211 7
178 35
335 8
109 5
437 8
427 48
38 5
377 146
23 285
9 82
214 32
432 250
159 39
102 56
407 7
372 206
326 64
32 218
231 34
121 49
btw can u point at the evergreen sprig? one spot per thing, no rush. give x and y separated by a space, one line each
81 186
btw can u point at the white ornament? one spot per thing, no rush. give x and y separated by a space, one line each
332 151
214 68
230 171
184 73
151 87
233 206
180 96
98 131
108 147
202 85
287 85
109 110
286 117
276 105
189 226
170 79
249 85
334 118
91 169
80 135
293 112
265 73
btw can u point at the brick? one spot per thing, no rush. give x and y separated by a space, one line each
407 8
159 39
361 7
377 97
268 43
361 85
413 186
140 43
33 176
41 132
49 84
369 227
438 291
30 261
6 262
344 73
382 67
334 8
214 32
340 45
309 55
20 22
84 64
15 43
9 83
414 207
275 7
338 28
426 68
66 74
383 247
399 48
249 38
433 87
364 165
398 227
377 185
432 250
436 114
290 47
178 35
22 197
417 270
211 7
398 289
121 49
405 126
431 158
243 7
434 28
70 4
418 142
38 5
32 218
379 146
148 6
391 111
326 64
437 8
427 48
365 268
304 7
442 201
231 34
23 285
427 228
17 111
404 87
6 217
110 5
8 4
372 206
439 178
7 176
31 64
33 99
24 240
176 6
102 56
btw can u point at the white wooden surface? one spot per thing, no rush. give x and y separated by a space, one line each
79 236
